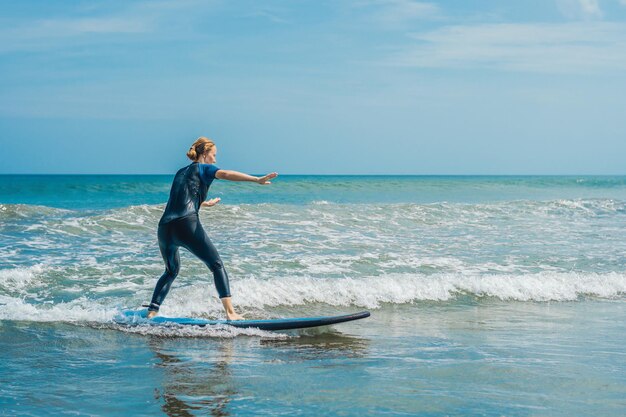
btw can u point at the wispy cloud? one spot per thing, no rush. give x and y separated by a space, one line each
268 15
398 12
59 28
581 47
591 8
42 33
133 19
580 9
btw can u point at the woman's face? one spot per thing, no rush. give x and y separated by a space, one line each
211 156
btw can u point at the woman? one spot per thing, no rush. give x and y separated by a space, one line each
180 225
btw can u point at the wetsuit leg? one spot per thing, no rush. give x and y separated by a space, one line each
198 243
171 257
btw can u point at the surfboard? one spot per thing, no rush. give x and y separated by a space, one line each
136 317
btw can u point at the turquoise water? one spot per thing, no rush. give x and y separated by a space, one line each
489 296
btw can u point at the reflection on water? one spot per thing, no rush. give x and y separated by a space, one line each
206 375
194 383
311 346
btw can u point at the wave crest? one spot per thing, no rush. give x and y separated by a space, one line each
372 292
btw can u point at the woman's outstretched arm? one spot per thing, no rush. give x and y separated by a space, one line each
224 174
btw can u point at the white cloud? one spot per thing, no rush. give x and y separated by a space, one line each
397 12
77 27
407 9
591 8
132 19
546 48
269 15
580 9
34 35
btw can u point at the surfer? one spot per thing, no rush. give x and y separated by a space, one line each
180 224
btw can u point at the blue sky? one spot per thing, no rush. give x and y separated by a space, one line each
315 87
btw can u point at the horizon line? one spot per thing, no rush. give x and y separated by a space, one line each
333 175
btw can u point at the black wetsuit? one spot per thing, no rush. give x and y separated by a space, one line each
180 226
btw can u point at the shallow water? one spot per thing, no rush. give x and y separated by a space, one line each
483 358
489 296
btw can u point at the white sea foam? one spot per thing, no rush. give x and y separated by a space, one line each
78 310
343 255
371 292
9 211
218 331
14 280
260 296
84 311
9 254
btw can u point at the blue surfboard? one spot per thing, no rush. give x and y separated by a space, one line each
135 317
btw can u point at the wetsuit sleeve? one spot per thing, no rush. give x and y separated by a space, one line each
207 172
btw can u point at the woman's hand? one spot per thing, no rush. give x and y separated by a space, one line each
265 179
211 202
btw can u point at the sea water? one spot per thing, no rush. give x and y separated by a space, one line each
489 296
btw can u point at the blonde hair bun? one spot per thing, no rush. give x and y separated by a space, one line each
201 146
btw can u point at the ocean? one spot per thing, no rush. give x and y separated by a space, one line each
490 295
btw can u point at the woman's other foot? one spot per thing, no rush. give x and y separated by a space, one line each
230 311
152 314
233 316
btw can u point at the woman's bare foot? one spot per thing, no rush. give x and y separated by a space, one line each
152 314
230 311
233 316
